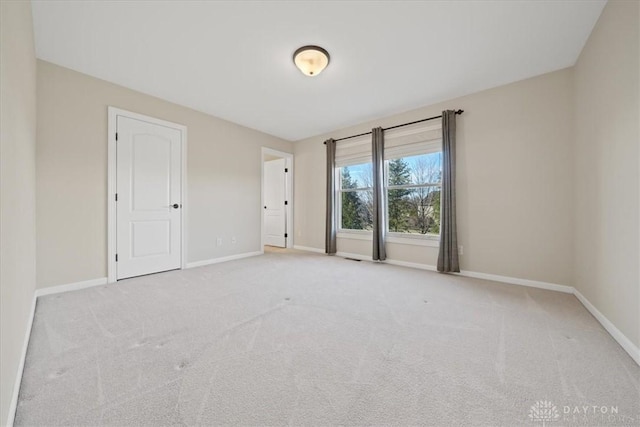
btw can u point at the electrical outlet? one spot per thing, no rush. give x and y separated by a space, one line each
233 240
460 249
219 241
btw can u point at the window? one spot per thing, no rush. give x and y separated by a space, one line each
413 173
413 194
355 184
356 197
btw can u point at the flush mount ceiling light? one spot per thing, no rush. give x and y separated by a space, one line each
311 60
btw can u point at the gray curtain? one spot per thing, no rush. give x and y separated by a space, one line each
448 256
379 220
331 221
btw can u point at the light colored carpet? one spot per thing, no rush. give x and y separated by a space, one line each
297 338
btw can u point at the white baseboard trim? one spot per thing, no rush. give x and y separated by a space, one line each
354 256
223 259
16 386
411 265
71 287
517 281
308 249
617 335
485 276
38 293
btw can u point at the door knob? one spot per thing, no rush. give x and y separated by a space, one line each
265 207
175 206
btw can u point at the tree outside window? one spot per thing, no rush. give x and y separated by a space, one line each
356 197
413 186
413 194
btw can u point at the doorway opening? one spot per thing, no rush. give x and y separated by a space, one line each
277 199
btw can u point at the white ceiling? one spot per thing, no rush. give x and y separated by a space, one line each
233 59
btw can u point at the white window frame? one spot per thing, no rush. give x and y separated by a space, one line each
349 233
432 240
428 239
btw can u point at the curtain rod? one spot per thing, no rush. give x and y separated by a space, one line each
396 126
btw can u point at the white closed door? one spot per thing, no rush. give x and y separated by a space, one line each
148 207
275 218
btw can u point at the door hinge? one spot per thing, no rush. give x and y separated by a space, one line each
116 197
286 170
116 257
285 235
286 202
116 136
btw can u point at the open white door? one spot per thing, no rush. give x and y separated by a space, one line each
275 217
148 207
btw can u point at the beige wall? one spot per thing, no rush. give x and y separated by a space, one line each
17 189
514 182
607 217
223 175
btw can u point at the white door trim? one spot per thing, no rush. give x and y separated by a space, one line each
288 196
113 113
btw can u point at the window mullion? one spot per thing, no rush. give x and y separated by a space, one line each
410 186
348 190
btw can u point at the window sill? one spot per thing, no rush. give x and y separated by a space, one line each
395 238
355 235
415 240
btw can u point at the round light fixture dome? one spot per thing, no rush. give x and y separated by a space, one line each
311 60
